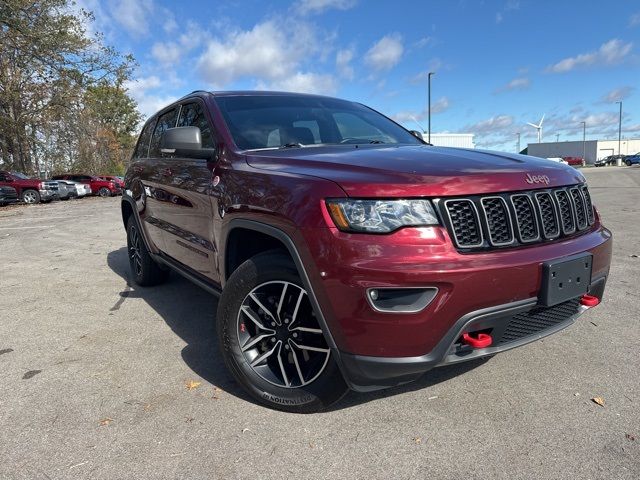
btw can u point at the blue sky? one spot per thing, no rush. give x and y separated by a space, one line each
499 64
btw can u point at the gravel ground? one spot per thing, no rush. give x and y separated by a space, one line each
93 373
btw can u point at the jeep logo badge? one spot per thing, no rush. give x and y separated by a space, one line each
537 179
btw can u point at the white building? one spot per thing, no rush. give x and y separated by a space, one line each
593 149
459 140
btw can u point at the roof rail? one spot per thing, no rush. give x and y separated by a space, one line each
195 91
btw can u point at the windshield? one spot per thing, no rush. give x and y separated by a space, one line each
20 175
280 121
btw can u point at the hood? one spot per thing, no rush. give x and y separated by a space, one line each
420 170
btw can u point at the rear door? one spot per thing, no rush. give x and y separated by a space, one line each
187 208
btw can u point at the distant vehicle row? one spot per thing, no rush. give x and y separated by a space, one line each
628 160
61 187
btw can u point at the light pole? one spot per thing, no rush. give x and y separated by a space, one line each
557 137
518 144
429 106
584 141
620 128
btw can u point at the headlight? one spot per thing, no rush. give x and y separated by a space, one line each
380 216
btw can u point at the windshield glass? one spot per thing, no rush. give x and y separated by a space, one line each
278 121
20 175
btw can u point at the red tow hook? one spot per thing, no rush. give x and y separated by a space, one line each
482 340
589 300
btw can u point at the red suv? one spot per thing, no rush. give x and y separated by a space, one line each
112 178
346 252
30 190
99 186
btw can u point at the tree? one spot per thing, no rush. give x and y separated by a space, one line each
61 96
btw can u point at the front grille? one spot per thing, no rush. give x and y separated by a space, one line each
537 320
512 219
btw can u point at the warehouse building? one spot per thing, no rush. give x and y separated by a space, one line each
593 149
458 140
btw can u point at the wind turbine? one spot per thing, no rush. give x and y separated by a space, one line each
538 128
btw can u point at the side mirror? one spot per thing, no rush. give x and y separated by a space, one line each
417 134
185 142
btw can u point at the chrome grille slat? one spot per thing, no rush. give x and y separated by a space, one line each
548 214
526 220
567 215
465 221
498 220
481 222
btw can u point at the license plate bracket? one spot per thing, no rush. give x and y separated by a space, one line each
564 279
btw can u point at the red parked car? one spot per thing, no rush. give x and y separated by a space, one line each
99 186
30 190
346 252
575 161
112 178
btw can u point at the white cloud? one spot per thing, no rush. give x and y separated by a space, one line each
385 53
133 15
343 63
303 83
317 6
499 17
166 52
520 83
438 106
618 94
634 20
423 42
610 53
269 51
492 125
148 103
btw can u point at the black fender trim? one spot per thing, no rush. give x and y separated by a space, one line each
297 260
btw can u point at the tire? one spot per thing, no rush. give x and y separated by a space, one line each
30 196
104 192
628 163
144 270
285 376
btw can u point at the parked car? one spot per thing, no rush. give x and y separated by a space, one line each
30 190
348 253
65 192
610 160
632 159
8 195
575 161
117 180
558 160
81 188
98 186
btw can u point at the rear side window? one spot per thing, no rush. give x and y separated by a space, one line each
166 121
192 115
142 149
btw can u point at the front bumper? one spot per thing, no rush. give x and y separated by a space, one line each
366 373
381 349
46 195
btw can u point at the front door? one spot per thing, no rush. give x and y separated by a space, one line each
187 210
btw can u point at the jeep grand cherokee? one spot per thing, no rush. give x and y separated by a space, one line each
346 252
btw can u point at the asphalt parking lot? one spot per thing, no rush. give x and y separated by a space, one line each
94 374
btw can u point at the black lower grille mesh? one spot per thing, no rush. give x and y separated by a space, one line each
538 319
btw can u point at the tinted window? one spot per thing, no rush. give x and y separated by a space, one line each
165 121
192 115
142 149
263 121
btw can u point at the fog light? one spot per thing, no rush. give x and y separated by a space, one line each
400 299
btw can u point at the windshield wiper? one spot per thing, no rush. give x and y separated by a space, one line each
292 145
376 141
